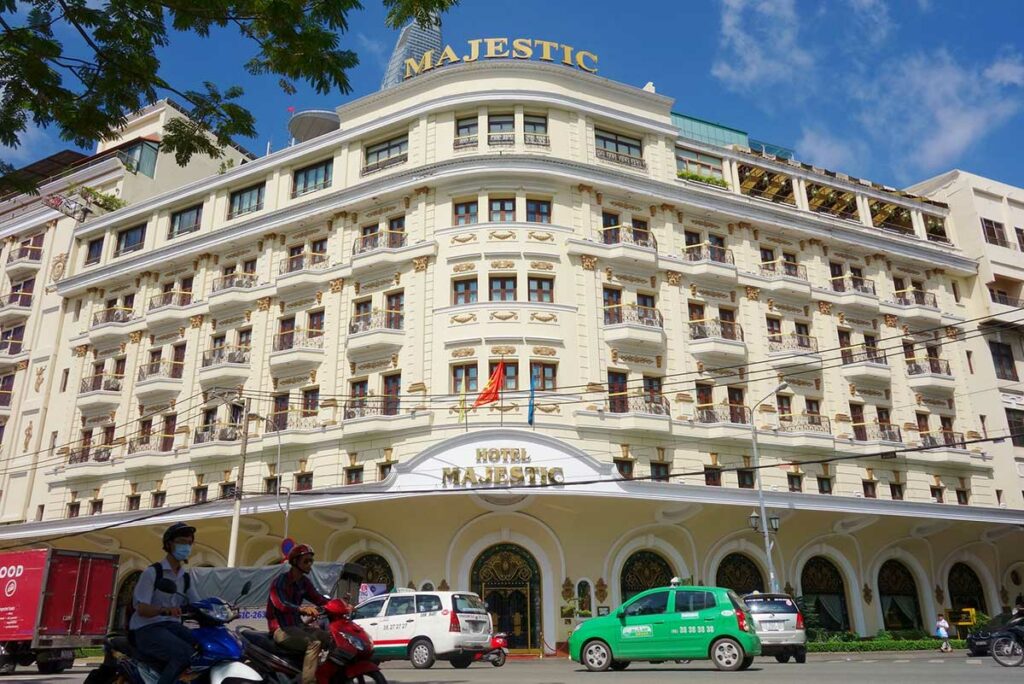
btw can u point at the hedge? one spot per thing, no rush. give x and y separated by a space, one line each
881 645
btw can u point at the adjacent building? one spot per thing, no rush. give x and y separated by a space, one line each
332 311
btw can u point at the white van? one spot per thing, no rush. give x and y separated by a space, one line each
424 626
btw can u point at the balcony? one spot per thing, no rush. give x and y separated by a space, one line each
109 325
24 262
159 380
89 461
914 306
377 331
1006 309
710 262
865 365
385 249
297 351
224 367
100 393
387 163
14 308
11 353
364 417
715 340
633 325
622 159
793 352
853 292
938 439
501 139
294 427
930 374
804 431
638 413
723 422
883 433
149 451
301 271
165 309
234 292
211 440
623 245
6 400
785 279
466 142
537 140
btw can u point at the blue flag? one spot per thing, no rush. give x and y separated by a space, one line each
533 395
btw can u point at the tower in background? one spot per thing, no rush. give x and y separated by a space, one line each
413 41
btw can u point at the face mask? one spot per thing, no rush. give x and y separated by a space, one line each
182 551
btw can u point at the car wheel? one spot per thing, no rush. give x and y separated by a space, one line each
6 666
800 657
727 654
421 654
782 657
747 662
620 665
461 662
596 656
48 667
974 654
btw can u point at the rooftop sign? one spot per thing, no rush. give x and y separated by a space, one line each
496 48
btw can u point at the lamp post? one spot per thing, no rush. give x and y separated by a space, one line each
755 519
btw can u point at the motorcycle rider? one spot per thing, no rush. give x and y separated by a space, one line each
285 611
155 626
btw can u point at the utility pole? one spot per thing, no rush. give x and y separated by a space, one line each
236 514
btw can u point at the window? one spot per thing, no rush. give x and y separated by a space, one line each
141 157
465 213
824 485
712 476
464 291
310 401
94 251
368 610
937 494
1015 421
625 467
659 472
158 499
200 494
383 470
956 291
393 148
511 374
689 161
503 288
401 605
466 127
896 491
185 221
795 482
538 211
994 232
303 482
541 289
73 509
785 405
870 489
688 601
312 178
1002 357
464 377
130 239
503 210
745 478
272 485
651 604
963 497
620 144
544 375
134 502
970 362
246 201
354 475
534 123
227 490
428 604
64 374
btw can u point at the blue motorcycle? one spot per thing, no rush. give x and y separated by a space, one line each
218 655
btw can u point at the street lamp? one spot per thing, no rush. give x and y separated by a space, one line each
755 522
754 519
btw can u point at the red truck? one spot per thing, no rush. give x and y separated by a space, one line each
52 602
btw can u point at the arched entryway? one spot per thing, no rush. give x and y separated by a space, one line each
123 604
897 593
378 570
825 592
739 573
965 589
644 570
508 579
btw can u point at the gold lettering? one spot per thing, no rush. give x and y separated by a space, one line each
493 455
470 477
522 48
516 455
567 55
496 47
448 56
450 475
546 47
488 477
531 475
500 476
582 55
481 455
426 63
474 51
556 476
525 457
543 472
515 475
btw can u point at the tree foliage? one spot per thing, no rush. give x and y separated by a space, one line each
81 67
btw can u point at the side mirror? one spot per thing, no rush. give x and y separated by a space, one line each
168 586
620 613
245 588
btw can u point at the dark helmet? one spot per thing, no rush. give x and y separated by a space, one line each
298 551
178 529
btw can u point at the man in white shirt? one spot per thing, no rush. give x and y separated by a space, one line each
156 624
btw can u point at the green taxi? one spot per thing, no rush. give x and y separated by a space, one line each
670 623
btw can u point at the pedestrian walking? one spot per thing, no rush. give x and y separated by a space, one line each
942 632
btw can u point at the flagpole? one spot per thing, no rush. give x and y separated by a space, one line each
501 393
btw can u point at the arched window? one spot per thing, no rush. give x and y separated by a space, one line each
642 571
825 593
739 573
897 593
584 607
378 570
965 590
123 606
427 586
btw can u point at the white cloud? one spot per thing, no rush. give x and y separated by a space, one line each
819 147
760 45
1006 71
873 22
376 48
924 5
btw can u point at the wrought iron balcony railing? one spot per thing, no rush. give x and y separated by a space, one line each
628 235
164 368
618 314
650 403
792 342
385 239
235 280
363 408
217 432
805 422
705 251
219 355
104 382
715 328
173 298
300 338
376 320
853 284
307 261
25 253
619 158
115 314
736 414
879 432
926 365
862 355
914 298
783 269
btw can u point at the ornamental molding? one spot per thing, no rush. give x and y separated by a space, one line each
543 317
589 262
463 352
538 236
503 264
503 350
501 235
542 266
463 238
545 351
463 318
463 268
504 316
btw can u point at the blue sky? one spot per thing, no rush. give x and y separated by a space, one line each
891 90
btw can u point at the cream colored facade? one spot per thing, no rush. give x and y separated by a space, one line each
337 304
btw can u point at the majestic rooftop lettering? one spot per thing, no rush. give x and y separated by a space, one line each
516 48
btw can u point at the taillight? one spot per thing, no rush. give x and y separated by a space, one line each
799 620
453 624
741 620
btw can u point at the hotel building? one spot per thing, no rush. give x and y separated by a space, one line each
653 277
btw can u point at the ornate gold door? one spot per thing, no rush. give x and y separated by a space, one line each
507 577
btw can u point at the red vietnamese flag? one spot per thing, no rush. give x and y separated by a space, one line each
491 390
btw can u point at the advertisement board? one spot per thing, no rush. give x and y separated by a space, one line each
21 589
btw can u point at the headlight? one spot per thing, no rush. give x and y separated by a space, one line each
356 642
218 612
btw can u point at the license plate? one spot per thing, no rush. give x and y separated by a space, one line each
772 626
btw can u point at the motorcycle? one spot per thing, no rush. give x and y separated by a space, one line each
218 655
1008 646
498 653
350 659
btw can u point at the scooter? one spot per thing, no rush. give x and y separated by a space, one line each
349 660
217 658
1008 646
498 653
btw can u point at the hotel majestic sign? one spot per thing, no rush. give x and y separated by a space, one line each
496 467
510 48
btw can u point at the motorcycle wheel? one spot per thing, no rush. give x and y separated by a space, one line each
1007 651
499 660
369 678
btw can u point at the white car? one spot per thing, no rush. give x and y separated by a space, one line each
424 626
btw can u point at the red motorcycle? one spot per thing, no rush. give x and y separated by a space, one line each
350 660
498 653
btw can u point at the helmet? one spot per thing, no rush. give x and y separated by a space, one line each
178 529
298 551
